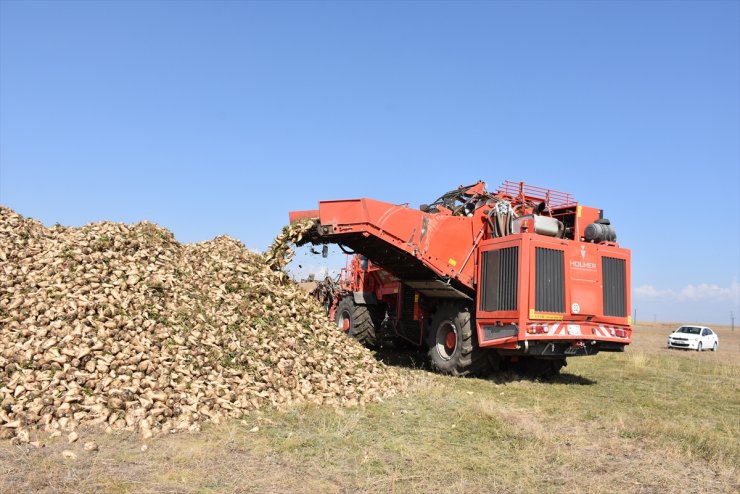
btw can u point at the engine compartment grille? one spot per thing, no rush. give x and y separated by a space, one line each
549 293
615 289
500 272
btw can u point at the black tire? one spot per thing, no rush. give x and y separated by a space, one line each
698 347
538 368
363 321
466 358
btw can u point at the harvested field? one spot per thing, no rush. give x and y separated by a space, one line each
121 327
649 420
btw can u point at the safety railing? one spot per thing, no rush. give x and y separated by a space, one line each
553 198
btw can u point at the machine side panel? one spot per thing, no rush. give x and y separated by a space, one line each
443 243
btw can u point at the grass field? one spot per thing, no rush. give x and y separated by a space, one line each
648 420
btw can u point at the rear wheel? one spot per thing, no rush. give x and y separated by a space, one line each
358 321
453 345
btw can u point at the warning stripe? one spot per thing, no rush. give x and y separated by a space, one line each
561 329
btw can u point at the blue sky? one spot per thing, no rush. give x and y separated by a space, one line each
212 118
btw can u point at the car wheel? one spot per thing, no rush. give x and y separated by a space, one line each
714 348
698 347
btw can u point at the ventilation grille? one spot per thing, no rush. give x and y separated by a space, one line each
615 289
500 279
549 280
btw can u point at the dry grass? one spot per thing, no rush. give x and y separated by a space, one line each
648 420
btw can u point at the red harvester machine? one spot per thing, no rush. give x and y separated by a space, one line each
522 276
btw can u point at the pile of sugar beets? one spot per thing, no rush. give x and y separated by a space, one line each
122 326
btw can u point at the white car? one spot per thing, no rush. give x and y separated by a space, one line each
694 338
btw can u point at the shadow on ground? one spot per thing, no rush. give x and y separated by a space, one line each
410 359
417 360
566 378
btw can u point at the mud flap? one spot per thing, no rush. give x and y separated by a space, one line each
365 298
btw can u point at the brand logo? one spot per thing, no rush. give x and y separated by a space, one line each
583 265
589 266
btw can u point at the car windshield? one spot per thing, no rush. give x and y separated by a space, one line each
688 330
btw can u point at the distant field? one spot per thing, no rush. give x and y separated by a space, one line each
652 337
648 420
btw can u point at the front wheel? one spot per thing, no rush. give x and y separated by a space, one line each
453 345
358 321
714 348
698 347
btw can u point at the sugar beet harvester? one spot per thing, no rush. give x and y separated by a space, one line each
522 277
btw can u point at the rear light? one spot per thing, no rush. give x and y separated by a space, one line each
537 329
619 333
609 332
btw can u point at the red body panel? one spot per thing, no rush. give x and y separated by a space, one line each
442 242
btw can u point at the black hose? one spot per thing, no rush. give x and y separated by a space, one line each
349 252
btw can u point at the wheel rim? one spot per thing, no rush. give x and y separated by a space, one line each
715 347
344 321
698 349
446 343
